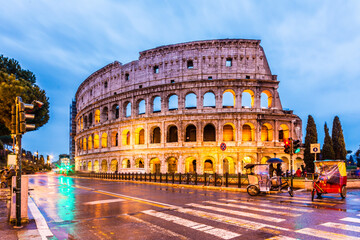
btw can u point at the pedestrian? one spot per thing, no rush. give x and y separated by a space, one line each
298 172
357 172
278 170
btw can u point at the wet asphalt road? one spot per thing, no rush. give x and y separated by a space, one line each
77 208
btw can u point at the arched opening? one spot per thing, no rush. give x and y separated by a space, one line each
141 107
90 144
114 139
96 166
105 114
173 102
229 99
285 165
126 163
97 116
266 99
115 111
190 135
128 110
172 134
266 132
90 119
156 135
125 138
264 159
190 101
208 166
85 122
247 99
104 166
157 104
154 165
81 123
172 165
139 136
283 132
139 163
246 160
114 165
104 139
209 100
190 165
228 165
89 166
209 133
96 141
248 133
228 133
84 143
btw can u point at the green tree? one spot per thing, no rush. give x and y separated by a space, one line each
327 150
311 137
338 139
14 82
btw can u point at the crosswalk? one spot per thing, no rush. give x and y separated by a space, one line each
242 218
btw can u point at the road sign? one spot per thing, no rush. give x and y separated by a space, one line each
223 146
315 148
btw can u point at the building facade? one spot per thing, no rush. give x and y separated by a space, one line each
72 132
172 109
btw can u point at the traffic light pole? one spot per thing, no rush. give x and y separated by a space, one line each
291 164
19 169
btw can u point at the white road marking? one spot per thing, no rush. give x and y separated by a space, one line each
316 201
238 213
86 188
350 219
323 234
281 238
221 233
104 201
342 226
40 220
255 209
268 205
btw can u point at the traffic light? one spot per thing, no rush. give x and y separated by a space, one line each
13 119
23 116
296 146
287 146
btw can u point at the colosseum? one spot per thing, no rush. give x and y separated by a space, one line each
203 106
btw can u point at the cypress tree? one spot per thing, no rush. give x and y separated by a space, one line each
338 140
311 137
327 150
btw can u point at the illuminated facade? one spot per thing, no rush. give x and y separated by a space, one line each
170 110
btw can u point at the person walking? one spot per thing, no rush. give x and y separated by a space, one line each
298 172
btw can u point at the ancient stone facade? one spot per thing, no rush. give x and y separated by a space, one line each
170 111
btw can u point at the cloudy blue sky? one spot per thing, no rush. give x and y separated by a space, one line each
313 47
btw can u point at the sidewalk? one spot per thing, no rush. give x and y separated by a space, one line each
7 231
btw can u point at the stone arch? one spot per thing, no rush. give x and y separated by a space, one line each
90 142
139 136
84 143
190 101
190 133
172 164
209 165
266 99
114 165
115 111
285 164
141 106
89 166
229 99
156 104
155 136
209 99
172 134
96 140
264 159
96 166
209 133
97 116
173 102
139 163
283 132
85 122
105 114
190 165
248 132
127 109
154 165
247 160
229 132
125 163
90 119
104 140
81 123
114 139
229 165
266 132
125 137
248 98
104 167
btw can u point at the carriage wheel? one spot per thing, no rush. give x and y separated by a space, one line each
312 194
291 191
343 192
253 190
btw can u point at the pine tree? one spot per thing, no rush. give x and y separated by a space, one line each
311 137
338 140
327 150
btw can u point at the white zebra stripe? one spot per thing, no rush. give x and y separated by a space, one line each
221 233
350 219
238 213
323 234
342 226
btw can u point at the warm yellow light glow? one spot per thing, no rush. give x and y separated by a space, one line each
97 116
104 139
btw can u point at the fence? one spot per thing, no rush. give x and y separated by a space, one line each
226 180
